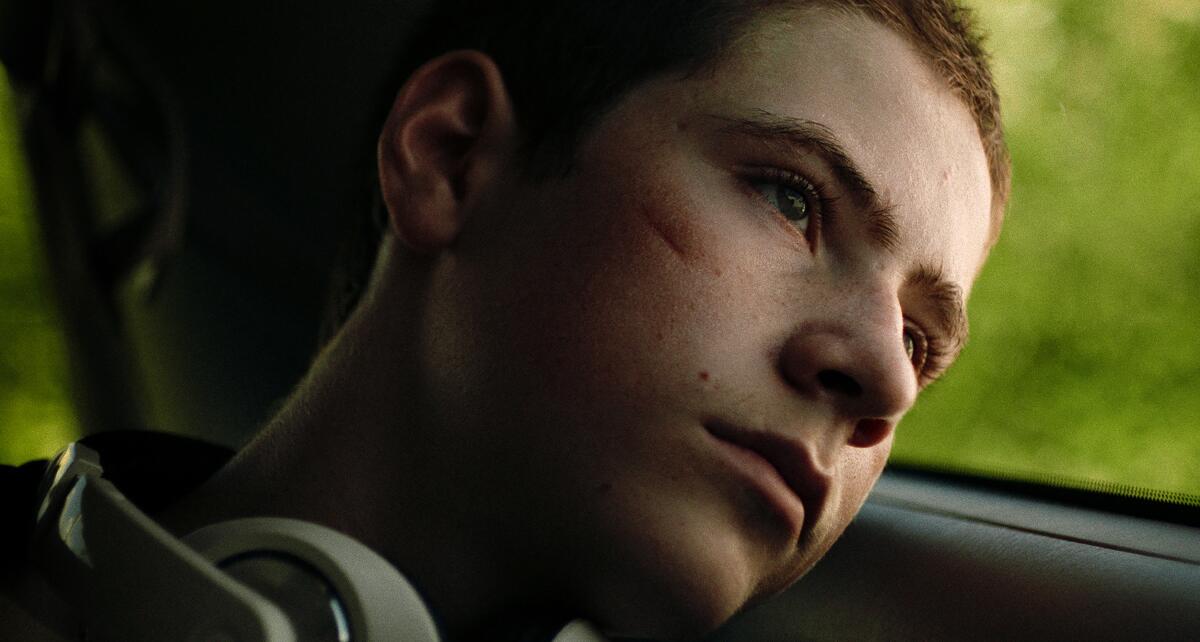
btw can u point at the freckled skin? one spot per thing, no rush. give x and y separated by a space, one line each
579 327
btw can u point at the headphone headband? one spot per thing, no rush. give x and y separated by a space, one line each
107 559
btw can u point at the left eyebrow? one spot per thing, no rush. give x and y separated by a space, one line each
949 307
799 135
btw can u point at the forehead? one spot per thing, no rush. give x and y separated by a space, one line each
914 141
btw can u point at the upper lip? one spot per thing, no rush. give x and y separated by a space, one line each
790 458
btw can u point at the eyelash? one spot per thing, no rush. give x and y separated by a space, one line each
820 204
933 355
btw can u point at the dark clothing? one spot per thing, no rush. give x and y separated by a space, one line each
150 468
18 505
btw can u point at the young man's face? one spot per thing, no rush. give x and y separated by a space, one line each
675 372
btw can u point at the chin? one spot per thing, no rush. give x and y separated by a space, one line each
682 593
660 621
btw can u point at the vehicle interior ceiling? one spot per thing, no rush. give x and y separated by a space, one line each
190 258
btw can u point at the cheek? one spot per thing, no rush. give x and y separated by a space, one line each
862 469
671 220
638 286
858 470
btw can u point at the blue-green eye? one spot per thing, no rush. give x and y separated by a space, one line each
916 347
794 204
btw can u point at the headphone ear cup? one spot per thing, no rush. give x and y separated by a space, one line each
329 585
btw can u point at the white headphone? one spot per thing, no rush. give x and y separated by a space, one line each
246 580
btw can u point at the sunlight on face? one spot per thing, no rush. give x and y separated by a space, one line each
690 379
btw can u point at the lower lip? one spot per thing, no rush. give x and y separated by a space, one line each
755 471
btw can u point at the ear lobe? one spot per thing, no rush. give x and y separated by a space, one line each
444 138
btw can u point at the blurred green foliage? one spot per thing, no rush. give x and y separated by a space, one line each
1085 355
35 412
1085 352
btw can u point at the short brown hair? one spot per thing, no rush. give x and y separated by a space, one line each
565 63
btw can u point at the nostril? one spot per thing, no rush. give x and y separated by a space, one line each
839 382
869 432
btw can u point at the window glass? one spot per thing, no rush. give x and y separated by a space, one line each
1084 359
1084 362
35 414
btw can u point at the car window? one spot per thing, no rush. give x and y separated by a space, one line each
1084 359
35 414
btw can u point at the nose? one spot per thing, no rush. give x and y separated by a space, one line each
858 366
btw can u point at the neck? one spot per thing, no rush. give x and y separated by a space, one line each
352 449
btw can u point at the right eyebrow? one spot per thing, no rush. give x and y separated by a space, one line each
800 135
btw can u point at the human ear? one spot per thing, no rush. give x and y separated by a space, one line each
448 134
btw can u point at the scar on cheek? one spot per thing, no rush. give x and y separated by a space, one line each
670 223
670 229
